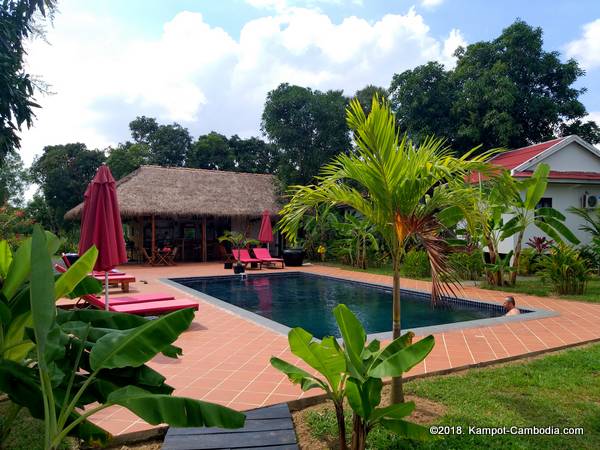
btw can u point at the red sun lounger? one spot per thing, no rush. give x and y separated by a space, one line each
97 301
150 308
244 257
264 255
115 277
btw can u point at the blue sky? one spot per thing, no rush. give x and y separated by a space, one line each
208 64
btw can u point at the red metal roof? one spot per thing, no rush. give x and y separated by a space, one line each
515 158
557 175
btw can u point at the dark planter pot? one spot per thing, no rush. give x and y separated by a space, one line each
238 268
293 257
228 265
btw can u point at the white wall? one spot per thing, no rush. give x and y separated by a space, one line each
573 157
564 196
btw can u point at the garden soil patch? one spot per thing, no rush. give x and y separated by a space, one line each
427 412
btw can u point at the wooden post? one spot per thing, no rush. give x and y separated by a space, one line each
153 236
204 250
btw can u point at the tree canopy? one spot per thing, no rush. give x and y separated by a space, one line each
508 92
366 94
167 144
17 23
13 179
211 151
125 158
216 151
63 173
308 127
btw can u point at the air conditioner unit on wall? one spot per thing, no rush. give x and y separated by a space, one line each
590 201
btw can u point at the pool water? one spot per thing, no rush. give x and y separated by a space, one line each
307 300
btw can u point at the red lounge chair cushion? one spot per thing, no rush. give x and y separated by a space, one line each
263 255
145 308
152 308
111 273
138 298
245 257
116 278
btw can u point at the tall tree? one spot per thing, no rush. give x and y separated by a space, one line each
254 155
13 179
63 173
142 128
366 94
508 92
169 144
211 151
127 157
308 127
422 99
37 209
17 23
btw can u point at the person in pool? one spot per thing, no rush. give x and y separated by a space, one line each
509 306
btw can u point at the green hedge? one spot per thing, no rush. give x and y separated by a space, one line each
416 264
467 266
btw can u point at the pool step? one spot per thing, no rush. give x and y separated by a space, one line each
270 427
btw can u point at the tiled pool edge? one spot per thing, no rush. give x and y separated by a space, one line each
260 320
535 313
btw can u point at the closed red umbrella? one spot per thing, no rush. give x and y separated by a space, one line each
101 224
265 235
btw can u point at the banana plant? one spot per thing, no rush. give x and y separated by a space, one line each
86 361
498 269
354 372
356 237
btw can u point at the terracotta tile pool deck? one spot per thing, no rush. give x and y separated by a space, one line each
226 357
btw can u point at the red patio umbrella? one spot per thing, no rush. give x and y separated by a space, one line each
265 235
101 224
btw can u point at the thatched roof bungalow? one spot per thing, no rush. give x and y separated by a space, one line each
191 207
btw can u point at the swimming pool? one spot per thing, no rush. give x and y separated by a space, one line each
296 299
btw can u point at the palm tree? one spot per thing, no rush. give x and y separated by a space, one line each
591 218
404 191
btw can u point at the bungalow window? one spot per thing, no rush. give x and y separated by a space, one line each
545 202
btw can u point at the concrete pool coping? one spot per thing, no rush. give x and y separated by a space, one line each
530 314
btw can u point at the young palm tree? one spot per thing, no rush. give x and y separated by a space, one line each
405 191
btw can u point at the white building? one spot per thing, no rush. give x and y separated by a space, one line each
574 179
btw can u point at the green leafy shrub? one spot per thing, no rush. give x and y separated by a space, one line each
528 260
565 269
467 265
416 264
591 253
15 225
65 366
354 373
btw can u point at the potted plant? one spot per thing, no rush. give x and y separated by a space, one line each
237 241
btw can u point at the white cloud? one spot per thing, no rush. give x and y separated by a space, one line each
202 77
431 3
586 49
281 5
454 40
595 116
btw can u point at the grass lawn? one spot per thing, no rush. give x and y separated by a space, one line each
534 286
525 285
560 390
383 270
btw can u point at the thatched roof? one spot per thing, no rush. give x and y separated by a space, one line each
181 192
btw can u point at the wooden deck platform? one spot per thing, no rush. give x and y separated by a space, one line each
266 428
